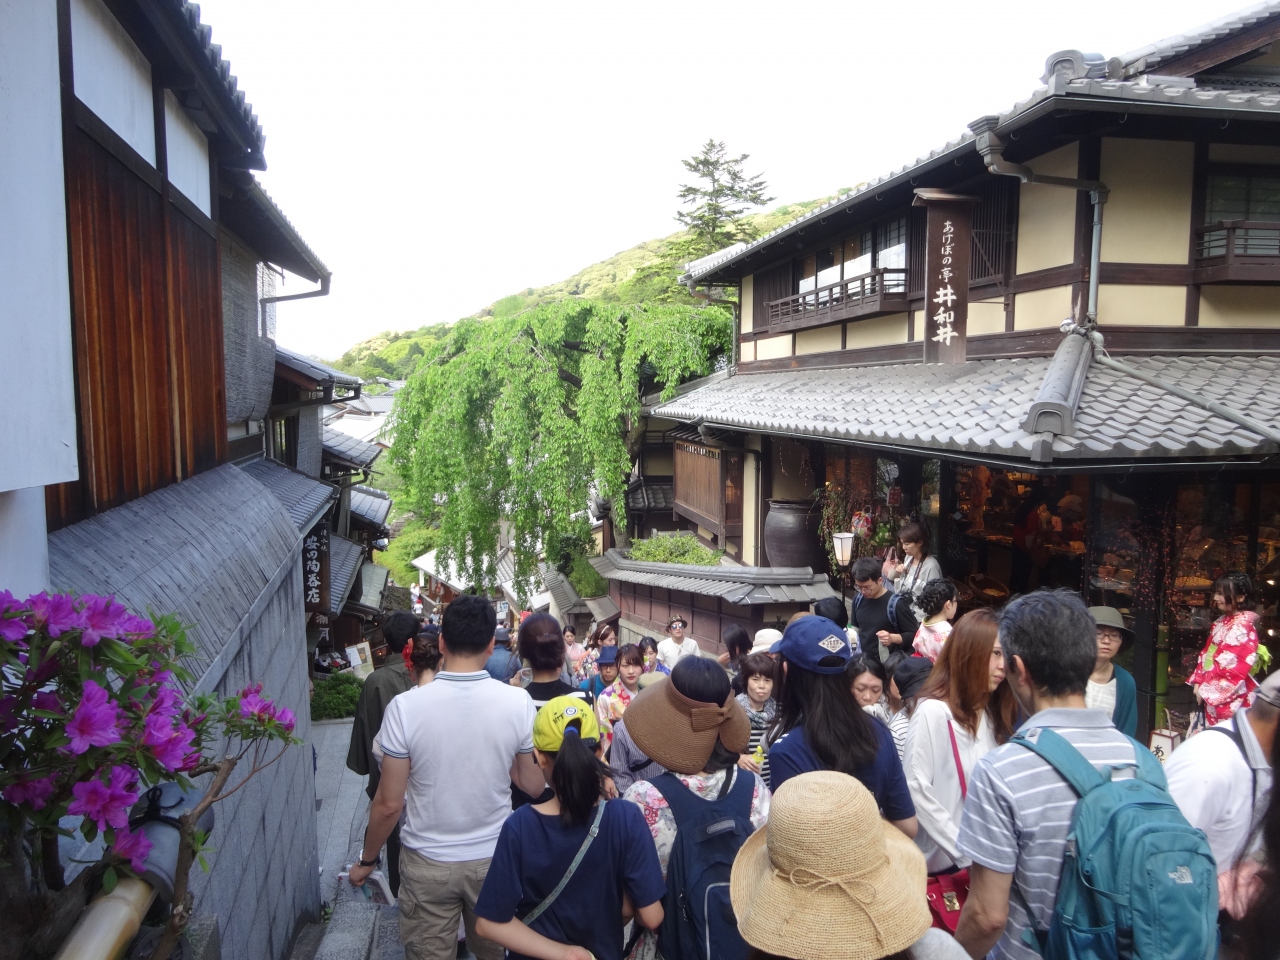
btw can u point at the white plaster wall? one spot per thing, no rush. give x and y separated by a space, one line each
38 438
24 543
187 150
112 76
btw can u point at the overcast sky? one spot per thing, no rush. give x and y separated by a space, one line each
439 156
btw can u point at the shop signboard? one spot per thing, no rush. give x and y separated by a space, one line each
315 569
946 266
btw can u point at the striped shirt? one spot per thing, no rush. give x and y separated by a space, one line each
1018 813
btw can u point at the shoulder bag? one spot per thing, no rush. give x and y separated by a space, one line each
948 891
542 908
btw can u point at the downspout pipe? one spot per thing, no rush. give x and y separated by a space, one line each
990 146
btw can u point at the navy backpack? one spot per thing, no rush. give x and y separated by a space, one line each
698 921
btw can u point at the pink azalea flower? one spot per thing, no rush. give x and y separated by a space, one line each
287 719
255 707
137 628
103 618
107 804
133 847
169 741
33 793
55 614
12 629
47 700
94 723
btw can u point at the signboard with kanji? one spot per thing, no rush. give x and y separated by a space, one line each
315 569
946 266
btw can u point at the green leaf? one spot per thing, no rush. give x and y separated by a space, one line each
109 879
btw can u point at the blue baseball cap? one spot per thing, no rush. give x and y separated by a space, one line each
608 655
811 640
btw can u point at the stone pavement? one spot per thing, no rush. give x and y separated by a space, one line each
358 929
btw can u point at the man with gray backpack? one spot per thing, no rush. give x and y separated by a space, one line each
1078 850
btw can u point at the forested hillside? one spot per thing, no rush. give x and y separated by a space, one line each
645 271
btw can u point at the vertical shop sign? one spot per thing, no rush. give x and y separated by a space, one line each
315 568
946 264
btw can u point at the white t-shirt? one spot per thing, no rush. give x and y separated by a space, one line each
671 653
1101 696
460 733
1213 785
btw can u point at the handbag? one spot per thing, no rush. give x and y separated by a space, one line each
947 892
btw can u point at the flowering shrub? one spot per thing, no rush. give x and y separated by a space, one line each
91 714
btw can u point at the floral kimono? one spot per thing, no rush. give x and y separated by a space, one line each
610 706
587 668
1222 675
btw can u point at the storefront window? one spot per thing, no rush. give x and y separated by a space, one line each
1020 532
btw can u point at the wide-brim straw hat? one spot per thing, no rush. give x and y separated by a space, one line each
827 878
680 733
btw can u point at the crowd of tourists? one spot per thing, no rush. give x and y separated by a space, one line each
879 779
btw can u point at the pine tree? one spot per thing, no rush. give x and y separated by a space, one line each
720 203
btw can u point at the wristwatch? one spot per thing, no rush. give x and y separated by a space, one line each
369 863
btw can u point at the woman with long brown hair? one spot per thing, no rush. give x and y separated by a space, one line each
965 709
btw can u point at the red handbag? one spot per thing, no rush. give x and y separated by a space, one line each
947 892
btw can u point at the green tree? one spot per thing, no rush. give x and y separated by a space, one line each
524 418
720 202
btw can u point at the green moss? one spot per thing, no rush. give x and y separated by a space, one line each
336 696
680 548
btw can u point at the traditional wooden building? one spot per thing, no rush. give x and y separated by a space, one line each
138 264
1054 340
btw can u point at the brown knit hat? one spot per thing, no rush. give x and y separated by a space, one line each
680 733
826 878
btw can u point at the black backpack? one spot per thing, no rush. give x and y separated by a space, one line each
698 921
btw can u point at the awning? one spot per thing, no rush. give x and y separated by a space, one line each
318 374
602 608
346 450
979 407
740 585
306 499
370 507
345 558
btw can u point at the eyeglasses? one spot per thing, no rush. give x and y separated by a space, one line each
866 586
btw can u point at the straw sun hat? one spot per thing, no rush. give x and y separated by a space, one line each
826 878
679 733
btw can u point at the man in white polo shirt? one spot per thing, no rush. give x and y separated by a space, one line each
675 645
451 750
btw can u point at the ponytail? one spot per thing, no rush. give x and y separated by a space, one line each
577 776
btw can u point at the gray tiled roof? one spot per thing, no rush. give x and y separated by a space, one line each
345 558
740 585
648 495
305 498
370 504
219 69
978 407
566 597
373 584
339 446
313 368
1151 56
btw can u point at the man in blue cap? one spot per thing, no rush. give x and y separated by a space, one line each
608 667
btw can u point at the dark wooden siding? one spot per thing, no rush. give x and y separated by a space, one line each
769 285
147 330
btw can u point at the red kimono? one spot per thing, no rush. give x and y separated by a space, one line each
1222 673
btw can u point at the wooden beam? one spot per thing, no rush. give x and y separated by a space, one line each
1213 54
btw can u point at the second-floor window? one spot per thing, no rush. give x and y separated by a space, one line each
1243 196
881 245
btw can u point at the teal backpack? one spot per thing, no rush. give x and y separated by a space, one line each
1138 881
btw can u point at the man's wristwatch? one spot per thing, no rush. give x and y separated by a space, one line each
369 863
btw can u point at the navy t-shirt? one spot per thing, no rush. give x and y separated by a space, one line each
791 756
534 852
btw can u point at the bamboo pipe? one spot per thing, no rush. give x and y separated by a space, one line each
110 922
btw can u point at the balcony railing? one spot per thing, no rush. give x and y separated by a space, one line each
1238 250
883 290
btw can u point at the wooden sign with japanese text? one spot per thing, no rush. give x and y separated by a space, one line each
315 569
946 267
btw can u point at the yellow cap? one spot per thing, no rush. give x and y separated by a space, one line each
554 718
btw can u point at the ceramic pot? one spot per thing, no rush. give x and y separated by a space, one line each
791 534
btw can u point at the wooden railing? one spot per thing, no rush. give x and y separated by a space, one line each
1238 250
855 297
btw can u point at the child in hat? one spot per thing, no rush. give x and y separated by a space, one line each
606 672
564 871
